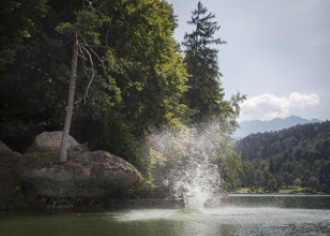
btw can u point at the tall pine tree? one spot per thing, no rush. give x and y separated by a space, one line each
205 94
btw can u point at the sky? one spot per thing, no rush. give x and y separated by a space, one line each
277 54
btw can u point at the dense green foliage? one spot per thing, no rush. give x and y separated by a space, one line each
17 26
131 92
141 81
294 157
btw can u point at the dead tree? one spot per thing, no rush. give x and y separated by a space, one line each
85 51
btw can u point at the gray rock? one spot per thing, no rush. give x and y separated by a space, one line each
51 141
4 148
96 175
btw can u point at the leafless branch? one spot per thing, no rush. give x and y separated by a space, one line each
101 61
93 72
93 9
87 50
121 64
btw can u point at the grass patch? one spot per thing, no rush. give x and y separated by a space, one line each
290 190
295 190
242 190
41 159
248 190
38 159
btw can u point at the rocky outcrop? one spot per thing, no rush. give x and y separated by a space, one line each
85 174
10 186
51 141
87 178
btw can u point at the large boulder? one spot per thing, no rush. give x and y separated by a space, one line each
51 141
86 176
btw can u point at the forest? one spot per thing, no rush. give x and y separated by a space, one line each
297 158
128 74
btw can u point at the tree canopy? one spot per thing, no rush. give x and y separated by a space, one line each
140 80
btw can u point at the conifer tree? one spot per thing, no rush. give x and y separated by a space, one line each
205 94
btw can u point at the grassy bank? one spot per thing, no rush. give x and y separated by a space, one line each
289 190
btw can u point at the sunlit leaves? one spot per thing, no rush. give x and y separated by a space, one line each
87 24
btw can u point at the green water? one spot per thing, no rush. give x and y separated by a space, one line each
227 219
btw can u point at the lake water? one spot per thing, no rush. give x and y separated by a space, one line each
237 215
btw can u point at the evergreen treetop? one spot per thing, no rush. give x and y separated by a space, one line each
205 93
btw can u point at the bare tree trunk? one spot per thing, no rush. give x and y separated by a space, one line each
69 107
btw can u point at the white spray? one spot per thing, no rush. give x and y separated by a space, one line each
191 169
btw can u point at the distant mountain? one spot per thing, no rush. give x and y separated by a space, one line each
258 126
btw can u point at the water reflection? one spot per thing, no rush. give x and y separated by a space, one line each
278 200
233 221
228 219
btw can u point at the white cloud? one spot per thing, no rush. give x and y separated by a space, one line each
268 106
302 100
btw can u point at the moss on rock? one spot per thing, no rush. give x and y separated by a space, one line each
86 175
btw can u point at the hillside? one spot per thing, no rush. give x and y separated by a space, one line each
298 156
257 126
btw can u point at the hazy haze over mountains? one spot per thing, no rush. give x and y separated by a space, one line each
255 126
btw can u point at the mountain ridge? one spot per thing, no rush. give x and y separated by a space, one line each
258 126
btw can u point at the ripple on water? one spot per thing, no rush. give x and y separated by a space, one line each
244 215
235 220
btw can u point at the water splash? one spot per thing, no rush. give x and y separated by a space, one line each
190 170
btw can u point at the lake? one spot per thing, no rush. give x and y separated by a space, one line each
239 214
